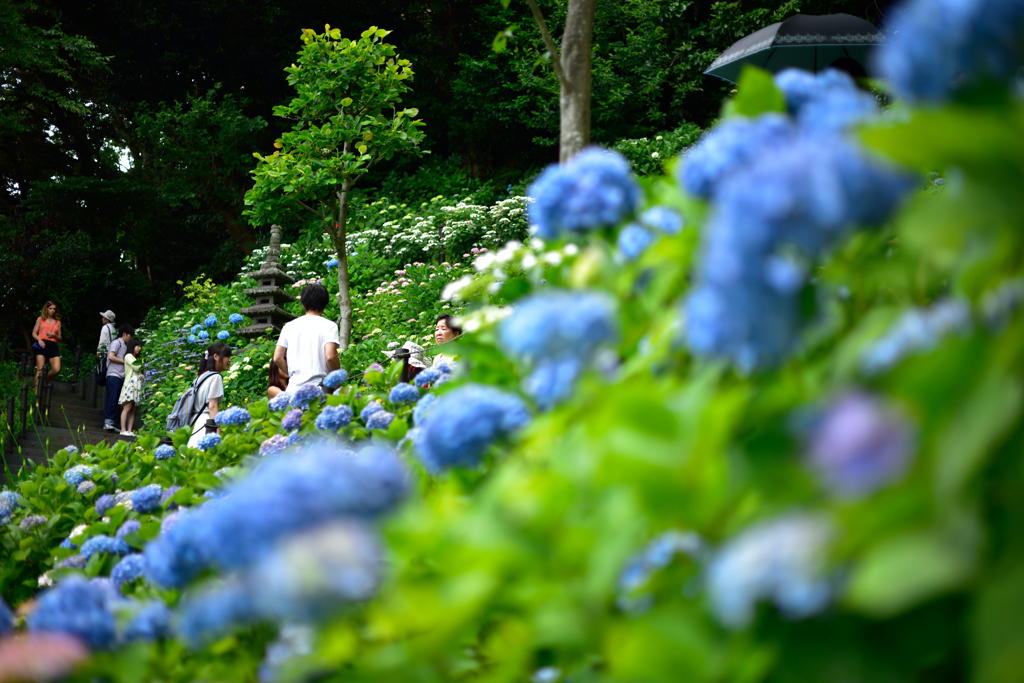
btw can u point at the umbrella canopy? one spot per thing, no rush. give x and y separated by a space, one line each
804 41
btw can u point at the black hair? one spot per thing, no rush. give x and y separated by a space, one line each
132 346
215 349
449 321
314 297
125 329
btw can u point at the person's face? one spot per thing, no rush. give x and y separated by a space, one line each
442 332
103 321
221 363
51 310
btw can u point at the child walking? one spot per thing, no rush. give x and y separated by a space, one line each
132 388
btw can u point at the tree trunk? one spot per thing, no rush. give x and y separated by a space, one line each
340 246
574 94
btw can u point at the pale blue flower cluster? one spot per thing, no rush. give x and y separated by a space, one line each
274 444
209 441
463 423
283 495
151 621
404 394
594 189
292 420
104 504
77 474
781 561
421 407
73 562
381 419
102 543
426 377
223 334
86 487
195 329
794 191
235 416
915 331
147 498
370 409
203 335
235 318
32 521
9 500
79 608
164 452
128 526
858 444
130 568
71 450
293 640
637 236
211 320
305 395
280 402
332 263
192 339
333 418
654 557
335 378
556 333
938 46
999 305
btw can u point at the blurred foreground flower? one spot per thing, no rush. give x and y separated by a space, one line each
39 657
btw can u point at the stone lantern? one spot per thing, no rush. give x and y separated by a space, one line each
269 295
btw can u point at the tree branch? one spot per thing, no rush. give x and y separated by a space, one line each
307 207
548 42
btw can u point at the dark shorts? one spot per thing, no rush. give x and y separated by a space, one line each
51 350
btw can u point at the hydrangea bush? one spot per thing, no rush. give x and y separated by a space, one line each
831 492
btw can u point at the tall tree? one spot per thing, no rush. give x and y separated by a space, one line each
348 118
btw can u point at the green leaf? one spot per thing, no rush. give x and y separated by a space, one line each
29 488
998 628
205 480
756 95
398 428
182 497
500 42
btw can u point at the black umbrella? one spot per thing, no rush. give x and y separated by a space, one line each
803 41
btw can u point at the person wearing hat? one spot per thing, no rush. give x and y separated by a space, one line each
107 332
414 360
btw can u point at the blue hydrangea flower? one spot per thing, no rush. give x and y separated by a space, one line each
223 334
147 498
191 339
152 621
77 474
164 452
73 562
335 378
370 409
421 407
196 328
829 101
654 557
280 402
292 421
9 500
426 377
235 318
916 331
551 323
211 320
274 444
71 450
333 418
858 444
403 393
332 263
594 189
293 491
305 395
128 526
213 612
104 503
936 46
130 568
66 543
236 416
203 335
728 146
6 618
463 423
32 521
633 241
380 420
168 493
104 544
781 561
209 441
294 438
86 487
552 380
662 219
78 608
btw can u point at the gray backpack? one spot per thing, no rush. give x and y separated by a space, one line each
185 407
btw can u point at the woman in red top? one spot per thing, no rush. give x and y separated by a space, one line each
47 334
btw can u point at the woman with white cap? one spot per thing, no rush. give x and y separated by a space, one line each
413 357
108 333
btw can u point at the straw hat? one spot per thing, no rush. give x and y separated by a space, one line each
417 354
109 315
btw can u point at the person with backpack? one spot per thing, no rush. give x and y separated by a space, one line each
115 376
208 389
107 334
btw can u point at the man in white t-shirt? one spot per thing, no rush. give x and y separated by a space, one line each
308 346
